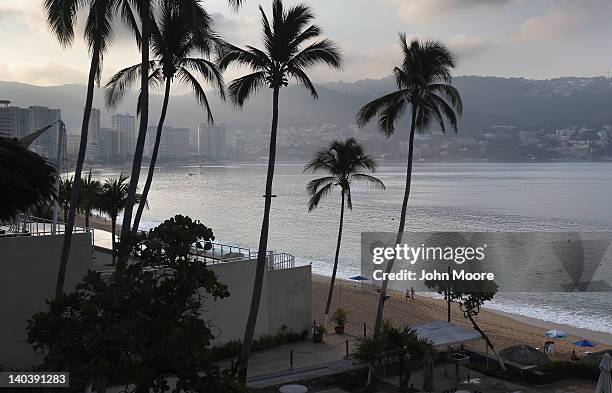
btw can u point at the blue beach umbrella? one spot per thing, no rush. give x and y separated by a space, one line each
584 343
556 334
359 278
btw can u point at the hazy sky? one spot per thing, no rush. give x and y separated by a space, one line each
529 38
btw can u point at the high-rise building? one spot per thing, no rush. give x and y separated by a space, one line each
125 126
40 116
212 141
108 143
14 121
93 136
174 143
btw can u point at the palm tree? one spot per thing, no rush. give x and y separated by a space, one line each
343 162
27 180
112 200
424 84
88 199
175 46
65 188
61 18
286 55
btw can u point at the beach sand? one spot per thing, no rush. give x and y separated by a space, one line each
503 329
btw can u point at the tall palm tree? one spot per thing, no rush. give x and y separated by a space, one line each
89 195
61 18
424 85
176 48
196 17
112 200
343 163
286 55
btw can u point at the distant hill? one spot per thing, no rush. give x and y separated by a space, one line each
550 104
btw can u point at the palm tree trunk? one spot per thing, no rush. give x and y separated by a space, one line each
87 214
489 343
113 231
249 330
142 133
76 187
147 186
333 277
402 224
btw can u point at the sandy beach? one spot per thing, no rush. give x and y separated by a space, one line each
503 329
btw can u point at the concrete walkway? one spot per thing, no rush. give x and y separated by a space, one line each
273 366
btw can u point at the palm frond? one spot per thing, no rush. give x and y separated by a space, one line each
242 88
303 79
61 18
371 109
373 181
320 193
324 51
188 79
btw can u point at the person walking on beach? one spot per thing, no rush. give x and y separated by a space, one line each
412 293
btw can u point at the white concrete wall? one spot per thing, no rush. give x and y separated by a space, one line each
28 273
285 300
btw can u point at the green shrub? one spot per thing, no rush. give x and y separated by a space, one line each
232 348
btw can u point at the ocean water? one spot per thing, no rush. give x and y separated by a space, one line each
445 197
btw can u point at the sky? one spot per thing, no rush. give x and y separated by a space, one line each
536 39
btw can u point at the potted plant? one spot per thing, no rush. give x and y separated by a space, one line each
317 333
340 318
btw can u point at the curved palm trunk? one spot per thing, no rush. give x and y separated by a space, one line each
402 224
249 330
333 277
147 186
76 187
489 343
142 133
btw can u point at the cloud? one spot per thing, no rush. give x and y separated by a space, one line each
47 74
423 11
564 18
238 31
469 46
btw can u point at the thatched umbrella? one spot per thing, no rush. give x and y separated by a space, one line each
26 179
524 355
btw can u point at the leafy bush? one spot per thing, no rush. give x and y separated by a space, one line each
340 317
232 348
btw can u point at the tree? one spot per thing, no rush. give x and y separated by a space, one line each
61 18
343 162
424 83
390 345
176 46
89 196
27 179
140 325
286 55
112 201
65 189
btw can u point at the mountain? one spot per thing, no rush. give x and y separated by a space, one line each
549 104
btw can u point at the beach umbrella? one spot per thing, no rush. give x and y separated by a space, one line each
584 343
524 355
359 278
556 334
428 372
604 384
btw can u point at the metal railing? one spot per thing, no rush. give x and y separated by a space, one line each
24 225
224 253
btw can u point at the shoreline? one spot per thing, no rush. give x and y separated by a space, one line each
504 329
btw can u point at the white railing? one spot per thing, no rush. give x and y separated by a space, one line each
224 253
24 225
